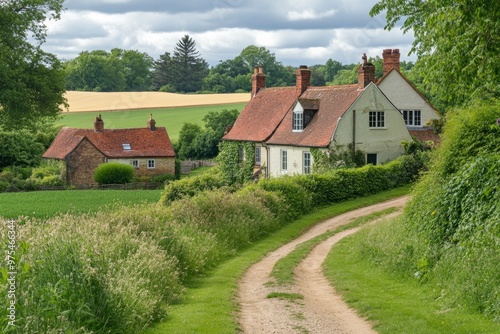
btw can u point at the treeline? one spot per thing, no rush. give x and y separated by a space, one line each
185 71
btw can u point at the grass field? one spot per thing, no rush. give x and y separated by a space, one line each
171 118
44 204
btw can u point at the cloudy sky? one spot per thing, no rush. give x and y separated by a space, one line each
298 32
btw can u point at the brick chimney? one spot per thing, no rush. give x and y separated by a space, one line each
366 73
391 60
98 124
258 80
303 79
151 123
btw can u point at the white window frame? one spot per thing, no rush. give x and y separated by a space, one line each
151 164
284 160
376 119
257 156
412 117
307 162
298 121
135 163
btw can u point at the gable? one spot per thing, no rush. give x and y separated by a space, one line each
405 95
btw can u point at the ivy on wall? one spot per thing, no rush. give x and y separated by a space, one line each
336 157
232 170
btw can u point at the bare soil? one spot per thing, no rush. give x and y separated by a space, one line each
322 310
98 101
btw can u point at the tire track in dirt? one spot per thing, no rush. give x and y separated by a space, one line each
321 310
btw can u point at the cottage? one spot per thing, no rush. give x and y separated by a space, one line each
286 123
147 149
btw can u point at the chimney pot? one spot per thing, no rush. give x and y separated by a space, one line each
258 80
151 123
98 124
366 73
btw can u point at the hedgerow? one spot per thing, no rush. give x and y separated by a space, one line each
449 236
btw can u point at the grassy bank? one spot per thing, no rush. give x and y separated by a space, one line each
45 204
171 118
394 303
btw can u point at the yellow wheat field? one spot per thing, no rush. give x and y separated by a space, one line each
94 101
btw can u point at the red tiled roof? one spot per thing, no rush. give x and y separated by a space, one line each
262 114
425 134
333 103
143 142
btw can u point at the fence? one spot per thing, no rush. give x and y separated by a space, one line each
189 165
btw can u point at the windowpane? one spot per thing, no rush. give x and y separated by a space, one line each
284 160
376 119
298 121
151 164
418 118
307 163
135 163
257 156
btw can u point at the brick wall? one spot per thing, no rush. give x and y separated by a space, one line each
81 164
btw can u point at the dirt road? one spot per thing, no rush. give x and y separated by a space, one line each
321 310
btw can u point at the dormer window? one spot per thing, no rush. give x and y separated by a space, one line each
126 147
298 120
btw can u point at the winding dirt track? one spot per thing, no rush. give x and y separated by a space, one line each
321 310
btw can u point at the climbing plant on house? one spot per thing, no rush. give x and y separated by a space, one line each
234 169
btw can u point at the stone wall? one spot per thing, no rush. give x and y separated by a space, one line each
82 163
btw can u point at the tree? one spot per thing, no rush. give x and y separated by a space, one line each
189 67
136 67
19 149
162 72
31 80
457 43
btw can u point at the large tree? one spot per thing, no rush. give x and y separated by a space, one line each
457 43
31 81
189 68
162 72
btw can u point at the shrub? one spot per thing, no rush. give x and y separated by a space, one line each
114 173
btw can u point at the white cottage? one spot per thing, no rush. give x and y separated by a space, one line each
286 123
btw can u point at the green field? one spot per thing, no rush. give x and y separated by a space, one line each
171 118
45 204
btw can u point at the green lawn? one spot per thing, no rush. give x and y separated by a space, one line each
44 204
171 118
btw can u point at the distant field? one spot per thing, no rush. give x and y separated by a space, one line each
171 118
112 101
44 204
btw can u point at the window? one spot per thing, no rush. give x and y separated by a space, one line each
151 164
298 121
240 154
412 117
307 162
135 164
371 158
126 147
284 160
377 119
257 156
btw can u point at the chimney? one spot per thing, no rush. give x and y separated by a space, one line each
366 73
151 123
258 80
98 124
391 60
303 79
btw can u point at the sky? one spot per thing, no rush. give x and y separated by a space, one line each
297 32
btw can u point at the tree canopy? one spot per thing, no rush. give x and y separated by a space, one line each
32 82
189 68
457 43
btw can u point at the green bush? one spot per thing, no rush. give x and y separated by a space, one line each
114 173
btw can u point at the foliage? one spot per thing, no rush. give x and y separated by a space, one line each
19 149
189 68
337 157
448 237
101 71
48 174
456 43
114 173
195 143
233 170
32 81
162 74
